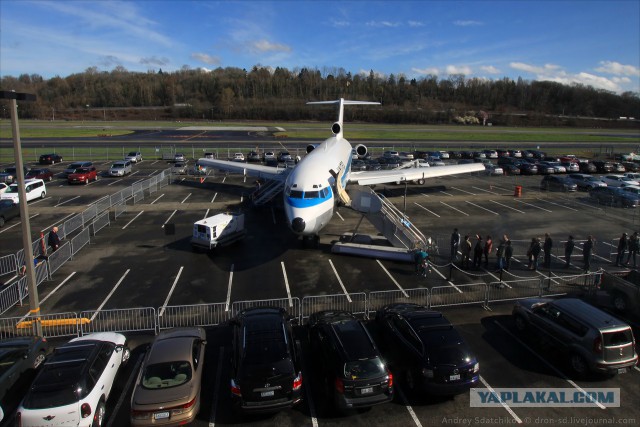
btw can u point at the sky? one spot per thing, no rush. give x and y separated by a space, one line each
595 43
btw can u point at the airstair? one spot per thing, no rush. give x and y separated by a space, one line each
267 192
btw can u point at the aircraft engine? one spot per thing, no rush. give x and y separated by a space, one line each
336 128
361 150
311 147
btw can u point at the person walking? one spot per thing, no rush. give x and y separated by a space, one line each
508 253
500 254
477 252
634 246
623 244
587 248
533 253
54 239
548 245
568 250
455 243
488 247
466 251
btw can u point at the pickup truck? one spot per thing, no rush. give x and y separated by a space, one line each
623 289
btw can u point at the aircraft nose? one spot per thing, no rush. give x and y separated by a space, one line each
298 225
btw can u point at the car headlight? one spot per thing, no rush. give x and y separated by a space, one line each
476 368
428 373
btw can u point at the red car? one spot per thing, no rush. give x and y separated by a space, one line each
43 174
83 175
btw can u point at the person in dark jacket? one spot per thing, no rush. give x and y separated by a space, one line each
634 246
548 245
568 250
488 247
623 244
533 253
465 248
508 253
455 243
54 239
587 248
477 252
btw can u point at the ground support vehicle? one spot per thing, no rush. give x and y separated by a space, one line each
217 231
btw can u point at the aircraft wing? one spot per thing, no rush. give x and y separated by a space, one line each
411 174
259 171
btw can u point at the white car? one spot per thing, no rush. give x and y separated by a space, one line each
444 154
493 170
34 188
74 383
633 175
632 189
557 167
238 157
617 180
134 157
179 157
3 187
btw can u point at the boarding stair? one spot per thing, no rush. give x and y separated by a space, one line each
267 192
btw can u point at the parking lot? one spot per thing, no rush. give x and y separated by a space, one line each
144 259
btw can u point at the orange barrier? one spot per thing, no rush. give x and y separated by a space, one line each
518 191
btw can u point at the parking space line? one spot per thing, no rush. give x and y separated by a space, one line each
392 279
504 405
226 306
206 214
486 191
307 388
340 281
448 194
533 206
557 204
553 368
339 216
66 201
500 188
110 293
480 207
455 209
39 200
508 207
432 213
214 404
496 277
175 282
159 197
48 295
113 182
286 283
169 219
448 281
17 223
185 199
134 374
133 219
409 408
464 191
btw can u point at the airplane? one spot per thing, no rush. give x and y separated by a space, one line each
314 185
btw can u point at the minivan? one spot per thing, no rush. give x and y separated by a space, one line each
34 188
592 339
75 166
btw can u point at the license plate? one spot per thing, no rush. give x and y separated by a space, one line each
160 415
622 370
366 390
454 377
267 393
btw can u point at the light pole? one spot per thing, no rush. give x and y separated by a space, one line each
34 303
53 114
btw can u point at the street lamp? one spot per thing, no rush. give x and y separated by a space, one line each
34 303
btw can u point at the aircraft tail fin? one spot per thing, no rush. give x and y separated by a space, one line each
336 128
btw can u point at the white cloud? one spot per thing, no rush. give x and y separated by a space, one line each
490 69
339 23
467 23
533 68
206 58
457 69
555 73
415 24
260 46
380 24
434 71
154 60
616 68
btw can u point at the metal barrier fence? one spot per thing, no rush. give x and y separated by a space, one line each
8 264
443 296
516 289
193 315
379 299
80 241
119 208
118 320
59 257
72 224
100 222
89 213
9 296
355 303
138 196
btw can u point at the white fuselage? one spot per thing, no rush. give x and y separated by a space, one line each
309 196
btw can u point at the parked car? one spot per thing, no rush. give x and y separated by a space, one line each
253 156
9 175
557 167
238 157
405 155
633 189
557 183
167 390
545 169
585 182
591 339
34 188
527 168
283 156
631 166
633 175
49 159
17 356
390 153
603 166
74 383
429 350
179 157
209 155
83 175
120 168
493 170
134 157
516 153
512 169
8 210
587 167
268 155
491 154
266 374
618 180
73 167
43 174
619 168
179 168
354 372
614 196
571 167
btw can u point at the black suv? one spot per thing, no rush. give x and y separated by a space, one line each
429 350
49 159
355 374
266 375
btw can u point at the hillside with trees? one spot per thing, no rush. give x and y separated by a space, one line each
279 95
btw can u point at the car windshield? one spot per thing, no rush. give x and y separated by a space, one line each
117 165
13 189
264 341
364 369
133 153
83 170
165 375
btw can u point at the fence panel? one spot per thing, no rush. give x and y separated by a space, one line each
193 315
10 295
80 241
582 284
136 187
475 293
102 204
292 305
89 213
39 246
53 325
163 182
100 222
379 299
42 273
355 303
119 209
72 224
8 264
118 320
59 257
138 196
512 290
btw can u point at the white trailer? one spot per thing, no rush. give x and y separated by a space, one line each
218 230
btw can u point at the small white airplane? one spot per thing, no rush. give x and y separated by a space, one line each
313 186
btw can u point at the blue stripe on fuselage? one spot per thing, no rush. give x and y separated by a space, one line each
307 203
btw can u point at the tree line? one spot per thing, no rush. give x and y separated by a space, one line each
279 94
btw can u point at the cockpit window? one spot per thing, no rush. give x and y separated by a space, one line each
295 194
311 195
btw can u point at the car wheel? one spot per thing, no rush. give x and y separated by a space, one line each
521 323
579 364
50 179
96 178
420 182
410 379
1 221
98 417
86 181
619 302
38 360
42 195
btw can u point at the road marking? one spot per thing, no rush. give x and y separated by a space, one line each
206 214
133 219
448 281
455 209
553 368
340 281
169 219
48 295
214 404
496 277
226 307
38 201
134 173
166 301
557 204
432 213
339 216
409 408
159 197
480 207
66 201
185 199
533 206
307 389
508 207
123 396
286 283
504 405
5 228
113 182
486 191
110 293
448 194
464 191
392 279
